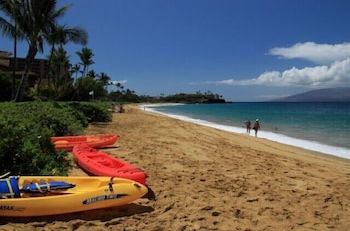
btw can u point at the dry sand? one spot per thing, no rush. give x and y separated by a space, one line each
206 179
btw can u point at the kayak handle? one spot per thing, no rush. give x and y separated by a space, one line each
110 184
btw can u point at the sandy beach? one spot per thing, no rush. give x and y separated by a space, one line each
207 179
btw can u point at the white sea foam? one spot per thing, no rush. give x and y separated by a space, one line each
311 145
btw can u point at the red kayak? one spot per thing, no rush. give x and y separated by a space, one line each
97 141
100 164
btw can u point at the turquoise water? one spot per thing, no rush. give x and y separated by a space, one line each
327 123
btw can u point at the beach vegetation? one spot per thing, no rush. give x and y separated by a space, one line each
61 78
198 97
85 55
61 35
93 112
105 79
36 22
32 21
87 88
26 128
75 70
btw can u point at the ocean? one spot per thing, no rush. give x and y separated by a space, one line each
322 127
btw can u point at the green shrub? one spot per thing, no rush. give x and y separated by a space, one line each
26 128
94 112
78 115
25 147
61 120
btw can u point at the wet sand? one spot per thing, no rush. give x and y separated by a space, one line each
207 179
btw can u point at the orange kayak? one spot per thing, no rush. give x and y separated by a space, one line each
97 141
101 164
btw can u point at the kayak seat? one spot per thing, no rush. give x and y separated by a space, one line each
44 187
9 188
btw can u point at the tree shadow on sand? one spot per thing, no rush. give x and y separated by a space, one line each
99 214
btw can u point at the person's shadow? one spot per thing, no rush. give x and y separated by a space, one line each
98 214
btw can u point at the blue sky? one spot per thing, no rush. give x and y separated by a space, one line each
244 50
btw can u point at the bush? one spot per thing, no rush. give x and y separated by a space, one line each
61 120
94 112
26 128
24 142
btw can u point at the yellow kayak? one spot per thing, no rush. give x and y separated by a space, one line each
87 193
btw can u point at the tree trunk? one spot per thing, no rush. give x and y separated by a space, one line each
22 85
49 65
58 77
14 65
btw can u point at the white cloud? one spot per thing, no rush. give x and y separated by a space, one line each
336 74
334 71
318 53
114 82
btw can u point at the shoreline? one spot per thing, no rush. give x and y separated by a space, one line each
325 149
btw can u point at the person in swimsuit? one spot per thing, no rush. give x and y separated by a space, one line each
248 125
256 127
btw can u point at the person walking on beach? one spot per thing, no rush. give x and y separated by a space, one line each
256 127
248 125
121 108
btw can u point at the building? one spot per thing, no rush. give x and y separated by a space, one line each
38 69
4 62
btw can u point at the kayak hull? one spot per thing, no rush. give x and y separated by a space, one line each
67 142
88 194
101 164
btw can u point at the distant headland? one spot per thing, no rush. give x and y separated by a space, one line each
339 94
198 97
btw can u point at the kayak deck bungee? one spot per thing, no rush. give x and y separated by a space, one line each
67 142
88 193
101 164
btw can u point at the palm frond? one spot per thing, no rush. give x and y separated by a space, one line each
7 28
60 12
11 9
77 35
8 7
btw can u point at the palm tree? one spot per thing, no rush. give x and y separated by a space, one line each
76 69
61 81
105 79
61 35
9 29
92 74
85 56
119 86
34 20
